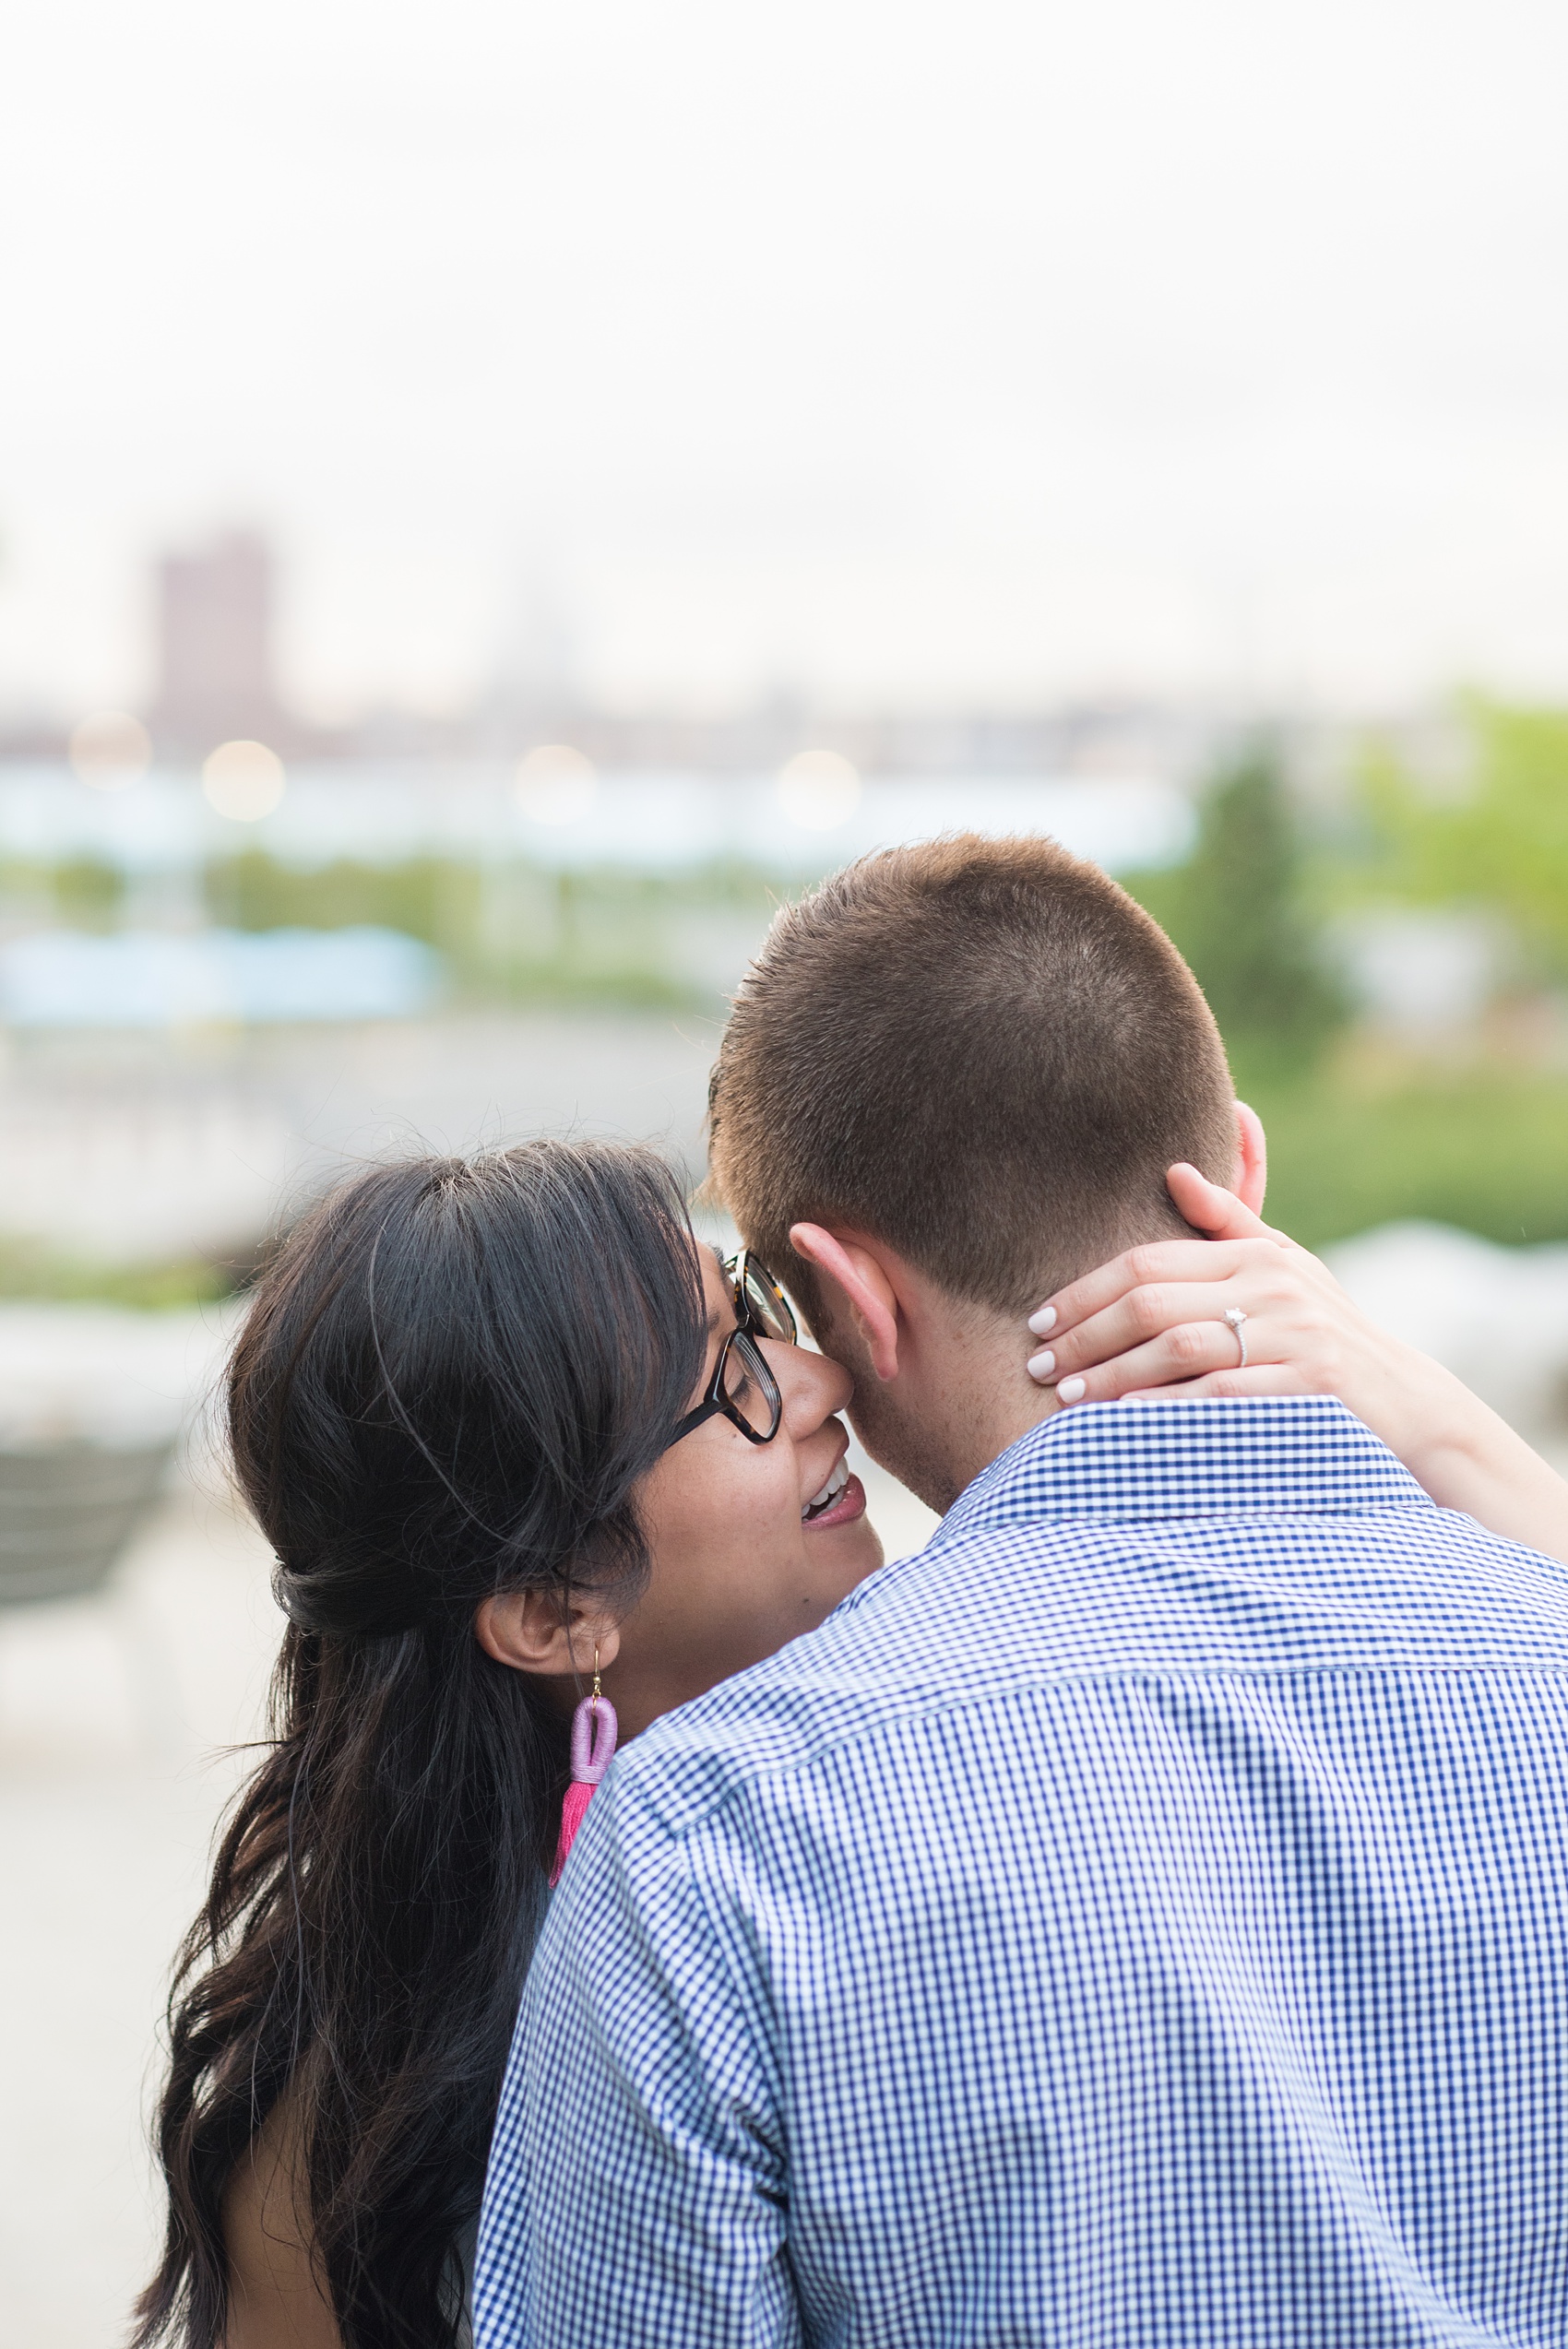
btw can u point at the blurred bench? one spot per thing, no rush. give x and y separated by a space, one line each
67 1511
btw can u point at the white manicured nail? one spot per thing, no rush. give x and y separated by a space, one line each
1042 1320
1042 1364
1069 1390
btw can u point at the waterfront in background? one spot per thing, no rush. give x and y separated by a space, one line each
663 821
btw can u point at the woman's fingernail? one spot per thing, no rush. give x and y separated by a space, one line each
1069 1390
1042 1320
1042 1364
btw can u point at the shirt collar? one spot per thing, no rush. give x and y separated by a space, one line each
1208 1457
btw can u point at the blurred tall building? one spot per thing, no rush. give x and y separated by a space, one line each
215 628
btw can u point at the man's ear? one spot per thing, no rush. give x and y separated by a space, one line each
864 1286
1252 1159
524 1631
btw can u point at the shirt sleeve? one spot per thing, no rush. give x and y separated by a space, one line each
636 2185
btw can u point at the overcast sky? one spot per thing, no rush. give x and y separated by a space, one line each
863 347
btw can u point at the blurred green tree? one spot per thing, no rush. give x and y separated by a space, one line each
434 898
1237 911
1500 843
88 891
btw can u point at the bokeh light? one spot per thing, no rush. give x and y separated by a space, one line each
555 784
109 750
244 780
819 789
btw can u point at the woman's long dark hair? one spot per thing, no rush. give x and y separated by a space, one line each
449 1383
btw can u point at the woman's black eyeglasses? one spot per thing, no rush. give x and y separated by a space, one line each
742 1387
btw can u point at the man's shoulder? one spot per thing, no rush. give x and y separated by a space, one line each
1008 1596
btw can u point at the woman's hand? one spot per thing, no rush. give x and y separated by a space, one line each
1154 1320
1151 1322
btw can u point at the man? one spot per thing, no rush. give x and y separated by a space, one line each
1142 1917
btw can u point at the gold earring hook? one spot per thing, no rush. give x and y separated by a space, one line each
596 1671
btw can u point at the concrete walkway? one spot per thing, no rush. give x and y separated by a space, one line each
115 1717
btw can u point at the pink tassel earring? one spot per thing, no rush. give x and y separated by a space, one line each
594 1731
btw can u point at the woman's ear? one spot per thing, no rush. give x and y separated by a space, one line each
524 1631
864 1287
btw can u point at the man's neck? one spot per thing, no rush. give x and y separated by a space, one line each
962 1396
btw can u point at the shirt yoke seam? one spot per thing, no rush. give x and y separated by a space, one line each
973 1536
1133 1675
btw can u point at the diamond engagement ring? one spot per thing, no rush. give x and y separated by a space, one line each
1233 1317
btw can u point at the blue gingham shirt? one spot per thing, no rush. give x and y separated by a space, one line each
1139 1920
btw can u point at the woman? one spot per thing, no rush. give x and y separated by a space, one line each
498 1423
508 1430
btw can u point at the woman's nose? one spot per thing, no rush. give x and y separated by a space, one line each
814 1386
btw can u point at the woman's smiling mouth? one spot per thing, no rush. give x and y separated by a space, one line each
841 1500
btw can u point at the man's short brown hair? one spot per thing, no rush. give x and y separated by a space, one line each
981 1052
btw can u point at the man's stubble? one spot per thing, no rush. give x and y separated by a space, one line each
893 1437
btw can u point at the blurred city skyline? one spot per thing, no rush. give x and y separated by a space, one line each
884 357
216 679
